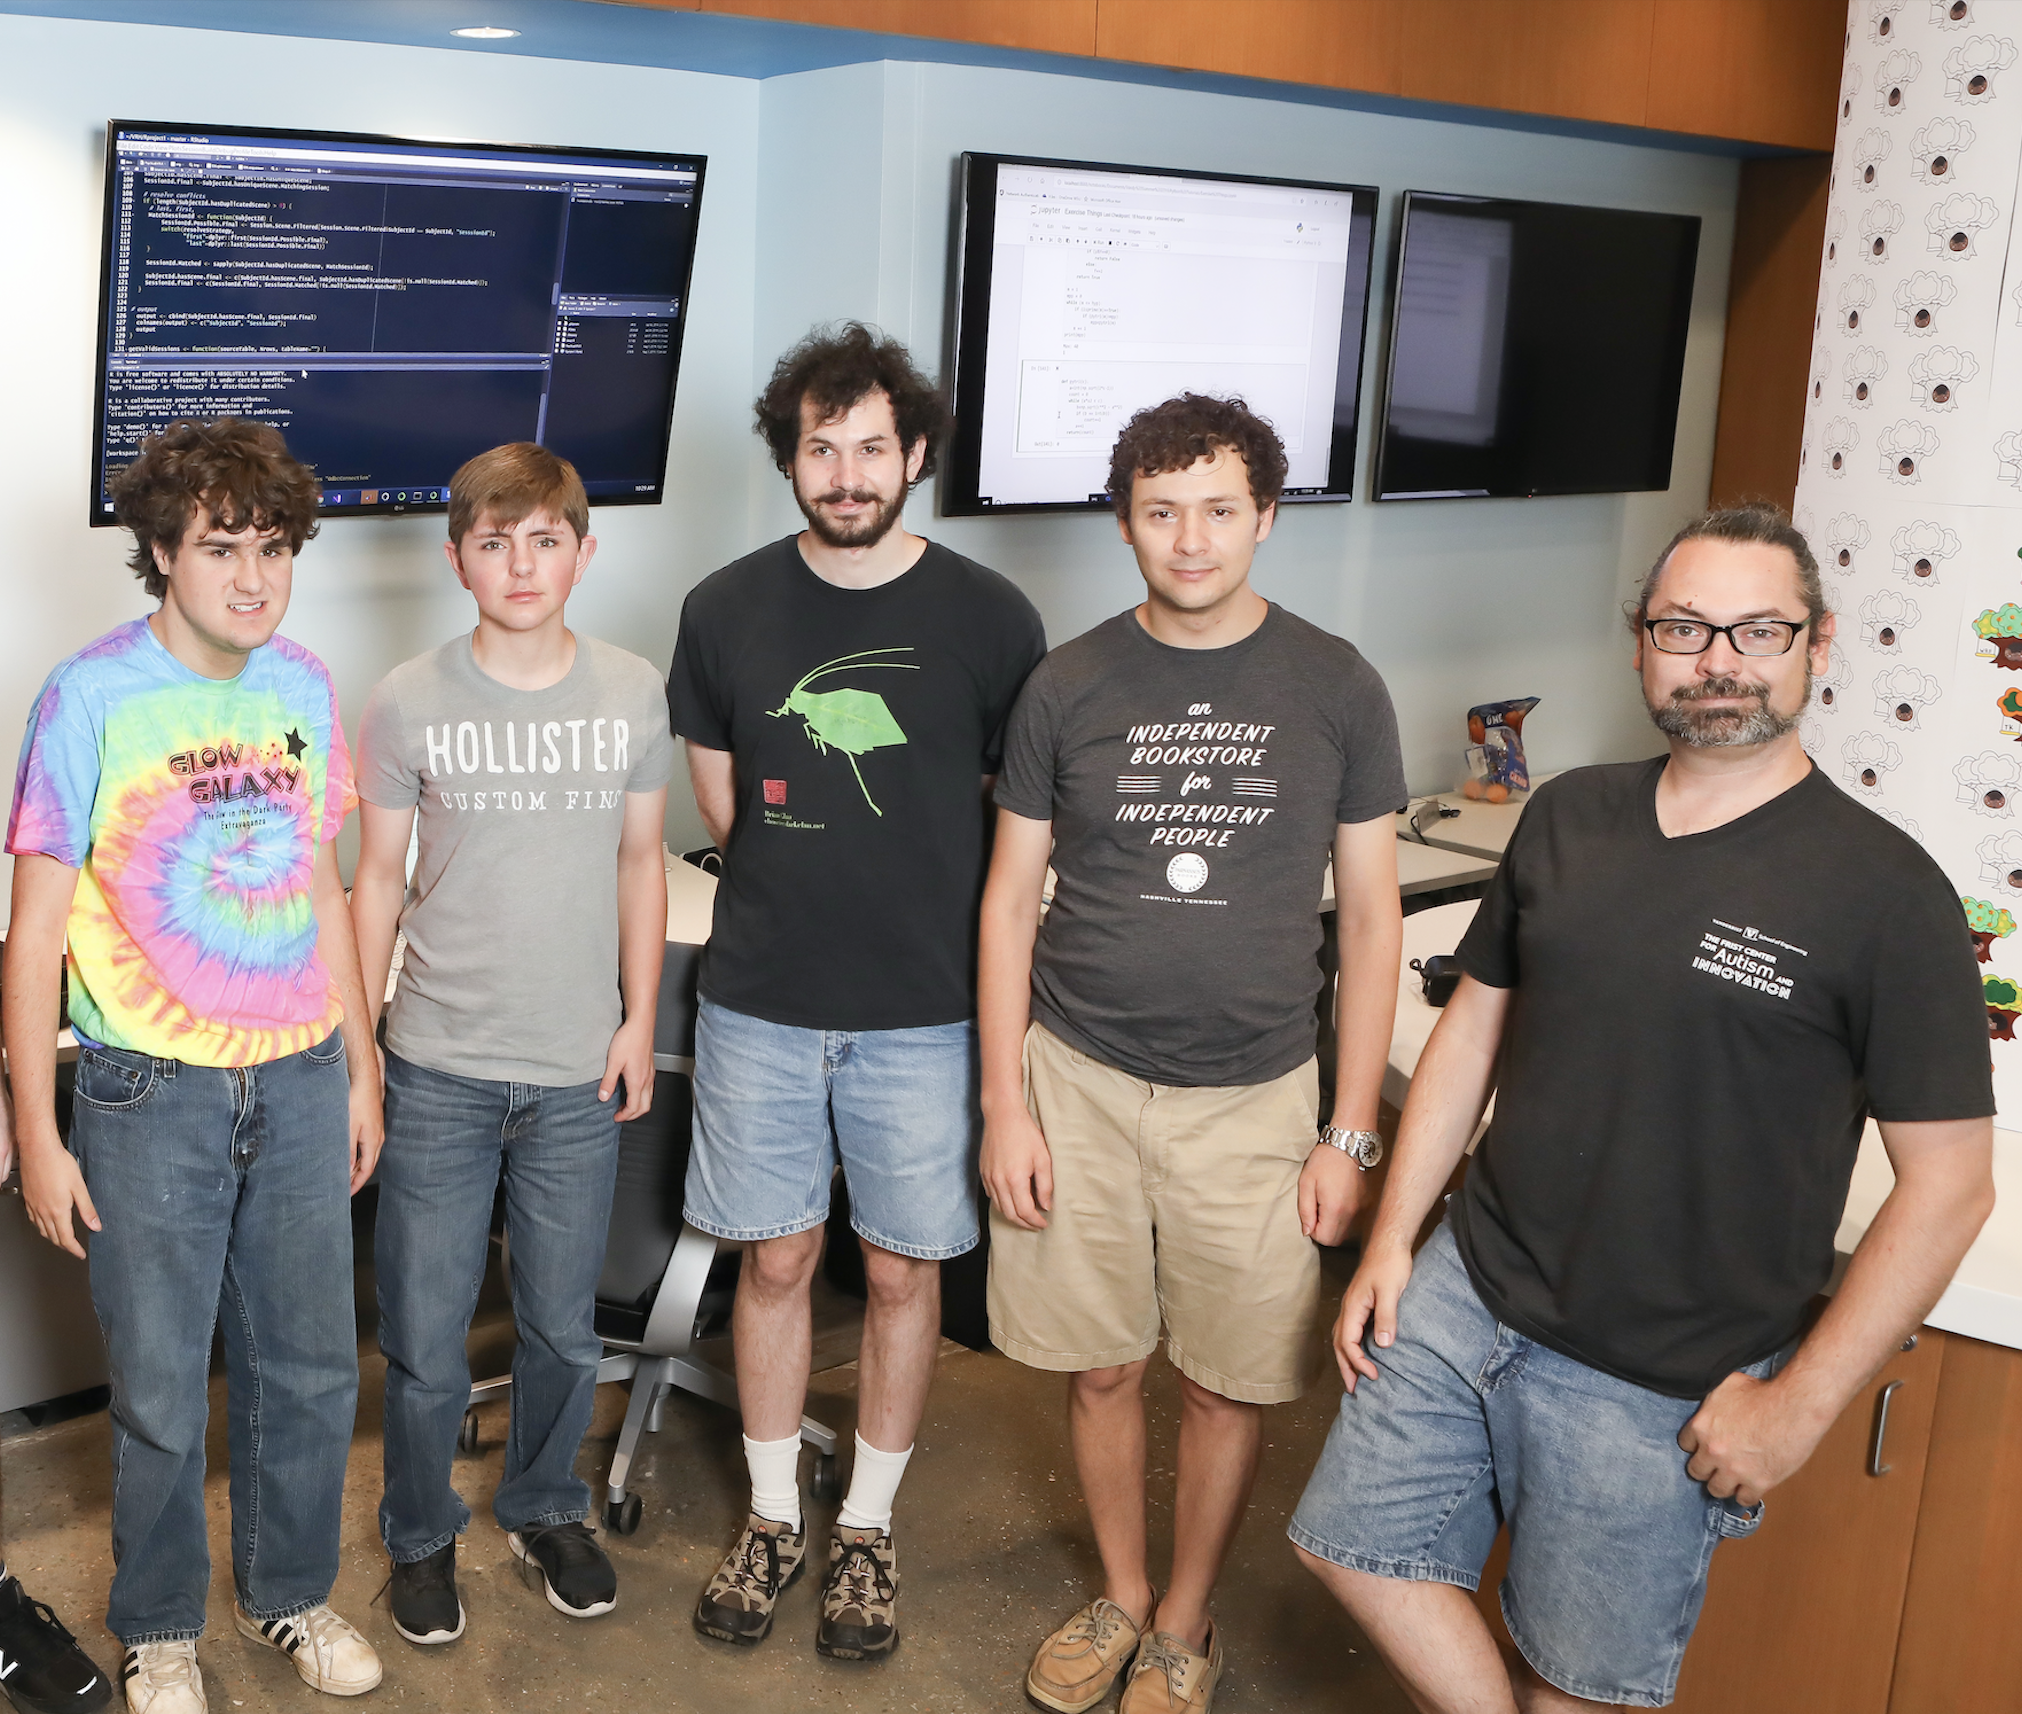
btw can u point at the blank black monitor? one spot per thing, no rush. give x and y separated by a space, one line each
394 306
1088 292
1535 348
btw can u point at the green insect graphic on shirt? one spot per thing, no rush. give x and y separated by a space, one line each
851 721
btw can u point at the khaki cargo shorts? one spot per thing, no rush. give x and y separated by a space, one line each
1171 1206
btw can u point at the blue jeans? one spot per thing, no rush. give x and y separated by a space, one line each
448 1139
225 1194
1470 1423
776 1106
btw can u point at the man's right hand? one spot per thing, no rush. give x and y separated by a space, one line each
52 1188
1018 1169
1371 1305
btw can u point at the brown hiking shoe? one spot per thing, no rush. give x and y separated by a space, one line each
737 1605
1170 1678
1075 1667
858 1619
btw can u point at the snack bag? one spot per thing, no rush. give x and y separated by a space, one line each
1496 758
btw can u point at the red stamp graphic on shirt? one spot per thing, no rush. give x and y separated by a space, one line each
775 791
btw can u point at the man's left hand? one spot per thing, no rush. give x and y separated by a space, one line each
630 1057
1330 1190
1745 1438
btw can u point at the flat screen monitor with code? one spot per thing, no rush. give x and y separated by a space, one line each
394 306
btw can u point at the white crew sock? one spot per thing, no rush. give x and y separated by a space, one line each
874 1484
775 1479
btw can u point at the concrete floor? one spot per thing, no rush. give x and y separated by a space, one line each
994 1551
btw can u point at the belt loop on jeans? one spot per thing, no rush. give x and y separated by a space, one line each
164 1068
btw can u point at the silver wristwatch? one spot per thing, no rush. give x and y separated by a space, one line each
1364 1148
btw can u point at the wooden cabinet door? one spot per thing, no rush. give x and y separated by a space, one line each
1803 1614
1961 1647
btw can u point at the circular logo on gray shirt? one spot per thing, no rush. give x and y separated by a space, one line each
1187 873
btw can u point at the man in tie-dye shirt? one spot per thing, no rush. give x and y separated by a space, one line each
179 788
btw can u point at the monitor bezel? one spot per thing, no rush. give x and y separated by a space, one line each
1681 335
115 128
969 326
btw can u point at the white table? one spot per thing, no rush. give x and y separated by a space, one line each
1481 829
1984 1300
1425 933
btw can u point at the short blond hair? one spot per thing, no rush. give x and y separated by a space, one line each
515 481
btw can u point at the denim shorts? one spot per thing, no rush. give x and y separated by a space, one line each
1472 1423
776 1107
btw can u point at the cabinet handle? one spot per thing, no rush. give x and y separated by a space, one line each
1875 1465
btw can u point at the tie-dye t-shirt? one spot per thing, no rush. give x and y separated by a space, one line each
192 809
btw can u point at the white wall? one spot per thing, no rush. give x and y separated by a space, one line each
830 194
1457 602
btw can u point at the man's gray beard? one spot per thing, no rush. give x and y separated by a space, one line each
866 532
1679 718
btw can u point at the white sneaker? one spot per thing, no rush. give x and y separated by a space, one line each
328 1652
162 1678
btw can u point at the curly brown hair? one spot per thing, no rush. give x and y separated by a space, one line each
1183 431
833 369
240 472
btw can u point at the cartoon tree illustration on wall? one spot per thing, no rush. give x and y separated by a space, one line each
2004 1006
2002 627
1988 923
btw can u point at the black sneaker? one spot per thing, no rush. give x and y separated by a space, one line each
859 1617
41 1667
578 1576
426 1607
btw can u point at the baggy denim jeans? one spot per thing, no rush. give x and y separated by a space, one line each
225 1200
448 1138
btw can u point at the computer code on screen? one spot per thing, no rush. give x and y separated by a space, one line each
395 307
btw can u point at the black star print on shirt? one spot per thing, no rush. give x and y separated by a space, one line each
296 742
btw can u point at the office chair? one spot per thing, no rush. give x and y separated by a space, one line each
664 1283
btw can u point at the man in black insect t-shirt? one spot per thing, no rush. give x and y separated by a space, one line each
1702 974
843 694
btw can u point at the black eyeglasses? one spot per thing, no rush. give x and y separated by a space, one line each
1748 637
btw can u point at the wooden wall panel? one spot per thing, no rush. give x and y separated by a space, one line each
1579 59
1802 1614
1759 70
1044 26
1960 1651
1344 44
1779 231
1763 69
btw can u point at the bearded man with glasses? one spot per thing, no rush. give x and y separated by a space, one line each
1692 982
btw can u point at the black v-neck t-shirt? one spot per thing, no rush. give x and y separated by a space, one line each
862 722
1700 1028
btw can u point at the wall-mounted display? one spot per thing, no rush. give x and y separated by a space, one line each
1535 348
1088 292
392 305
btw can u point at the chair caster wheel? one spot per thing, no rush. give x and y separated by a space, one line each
621 1517
827 1485
466 1434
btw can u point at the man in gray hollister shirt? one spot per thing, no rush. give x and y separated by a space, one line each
536 920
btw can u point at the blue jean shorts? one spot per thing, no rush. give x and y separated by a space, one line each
1472 1424
777 1107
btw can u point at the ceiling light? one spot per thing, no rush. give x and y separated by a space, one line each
484 33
